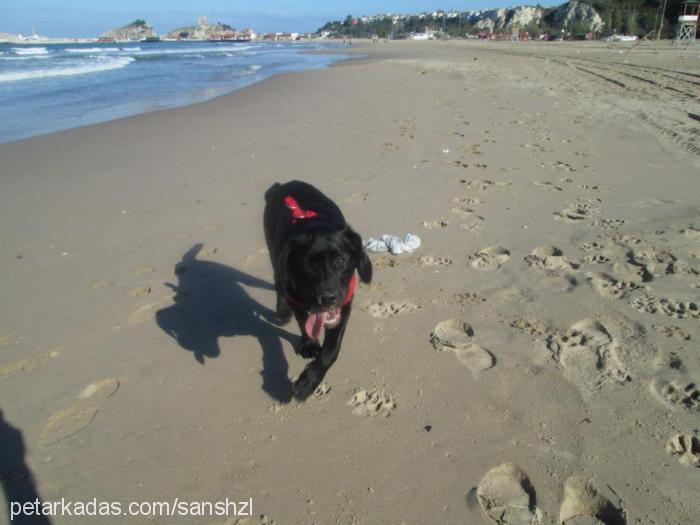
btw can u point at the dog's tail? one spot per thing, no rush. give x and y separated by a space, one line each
269 194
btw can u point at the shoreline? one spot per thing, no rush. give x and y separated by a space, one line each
124 109
134 336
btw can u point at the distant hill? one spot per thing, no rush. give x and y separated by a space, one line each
636 17
136 30
203 31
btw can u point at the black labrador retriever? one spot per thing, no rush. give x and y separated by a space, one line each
314 255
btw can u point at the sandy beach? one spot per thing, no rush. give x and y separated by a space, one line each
536 360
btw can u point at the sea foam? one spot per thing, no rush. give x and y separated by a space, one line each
30 51
91 49
95 66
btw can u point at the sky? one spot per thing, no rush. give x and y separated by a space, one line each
89 18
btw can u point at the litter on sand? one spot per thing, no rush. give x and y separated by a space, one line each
393 244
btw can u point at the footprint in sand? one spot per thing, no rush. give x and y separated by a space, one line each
143 314
100 389
672 331
686 447
588 356
469 298
644 301
356 197
609 287
142 270
583 505
589 187
98 285
490 258
512 294
576 212
558 165
547 185
466 213
456 336
383 261
435 225
433 260
507 496
208 251
596 259
590 246
451 333
679 309
470 201
374 402
552 261
140 291
531 327
29 363
6 339
480 185
677 394
609 224
631 271
691 233
66 423
322 391
390 309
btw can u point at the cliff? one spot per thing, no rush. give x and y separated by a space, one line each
566 16
575 16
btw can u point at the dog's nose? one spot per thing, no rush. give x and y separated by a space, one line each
328 299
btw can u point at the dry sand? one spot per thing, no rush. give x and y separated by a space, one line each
536 360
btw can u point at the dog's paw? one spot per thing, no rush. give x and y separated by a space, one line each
307 382
308 349
281 321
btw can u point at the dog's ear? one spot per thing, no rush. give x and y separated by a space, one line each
364 265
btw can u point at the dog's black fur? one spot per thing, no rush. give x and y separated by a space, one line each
313 261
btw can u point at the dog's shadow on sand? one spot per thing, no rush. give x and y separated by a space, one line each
210 303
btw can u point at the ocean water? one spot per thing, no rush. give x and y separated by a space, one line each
46 88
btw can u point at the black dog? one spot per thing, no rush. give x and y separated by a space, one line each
314 255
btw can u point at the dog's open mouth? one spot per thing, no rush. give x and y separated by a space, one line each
320 319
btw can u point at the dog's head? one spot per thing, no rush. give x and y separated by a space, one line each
316 265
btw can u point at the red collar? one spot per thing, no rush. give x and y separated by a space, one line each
351 292
297 212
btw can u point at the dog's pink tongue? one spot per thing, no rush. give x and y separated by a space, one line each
314 324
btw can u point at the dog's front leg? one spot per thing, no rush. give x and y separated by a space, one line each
282 309
307 349
316 370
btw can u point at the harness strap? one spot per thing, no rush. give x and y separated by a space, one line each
297 212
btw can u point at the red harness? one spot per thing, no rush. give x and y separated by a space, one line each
299 214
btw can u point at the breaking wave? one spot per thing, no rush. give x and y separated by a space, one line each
96 66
